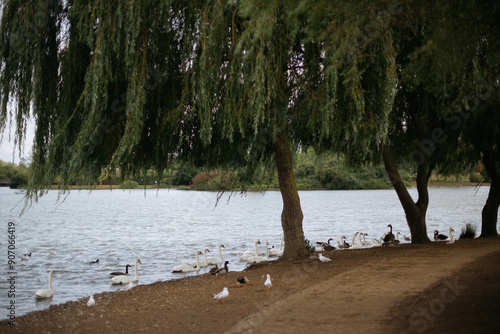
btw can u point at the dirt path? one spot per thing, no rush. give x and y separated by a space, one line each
361 299
411 288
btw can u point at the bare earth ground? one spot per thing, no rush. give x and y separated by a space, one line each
435 288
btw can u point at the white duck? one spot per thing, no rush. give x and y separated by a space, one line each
268 284
258 259
277 252
203 263
184 268
46 293
248 254
214 260
125 279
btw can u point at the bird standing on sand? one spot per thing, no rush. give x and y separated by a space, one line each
91 301
268 283
242 280
389 237
221 295
323 258
221 271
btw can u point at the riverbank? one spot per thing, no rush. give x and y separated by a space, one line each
410 288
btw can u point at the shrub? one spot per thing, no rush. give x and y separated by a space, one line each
129 185
469 231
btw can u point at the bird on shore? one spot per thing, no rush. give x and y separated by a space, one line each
268 284
91 301
221 271
389 237
323 258
213 270
441 237
221 295
407 239
326 246
242 280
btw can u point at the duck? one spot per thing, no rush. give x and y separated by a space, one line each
96 261
46 293
116 273
323 258
214 270
242 280
389 237
258 259
214 260
91 301
268 284
184 268
26 257
277 252
125 279
222 295
203 263
223 270
248 254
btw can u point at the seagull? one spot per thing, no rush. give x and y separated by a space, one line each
128 287
91 301
323 258
242 280
268 283
221 295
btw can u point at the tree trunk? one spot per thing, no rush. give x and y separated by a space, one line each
415 212
489 215
291 217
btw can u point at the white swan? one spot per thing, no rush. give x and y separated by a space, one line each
214 260
46 293
258 259
125 279
203 263
354 244
247 254
366 242
276 252
452 238
184 268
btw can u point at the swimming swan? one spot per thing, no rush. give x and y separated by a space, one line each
125 279
203 263
46 293
184 268
247 254
214 260
258 259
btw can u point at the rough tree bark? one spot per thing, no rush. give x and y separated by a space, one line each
291 216
489 215
415 212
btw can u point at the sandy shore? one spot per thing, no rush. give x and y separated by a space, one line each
434 288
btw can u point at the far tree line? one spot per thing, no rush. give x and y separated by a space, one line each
242 85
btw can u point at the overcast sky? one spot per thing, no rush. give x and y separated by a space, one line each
7 147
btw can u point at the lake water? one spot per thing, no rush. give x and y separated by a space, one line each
165 228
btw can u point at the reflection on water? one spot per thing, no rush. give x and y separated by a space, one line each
165 228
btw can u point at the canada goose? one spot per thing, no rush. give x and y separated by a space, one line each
438 236
116 273
389 237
